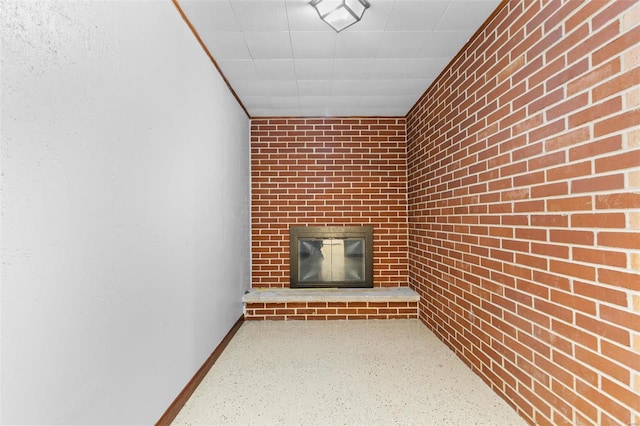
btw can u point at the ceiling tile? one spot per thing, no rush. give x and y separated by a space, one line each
415 15
345 101
315 112
268 44
245 88
358 44
313 69
386 101
284 101
337 111
257 101
349 69
260 15
426 68
375 18
348 87
275 69
210 15
314 87
225 45
272 112
406 68
282 112
380 112
314 101
282 88
244 69
266 88
462 15
402 44
396 87
444 44
313 44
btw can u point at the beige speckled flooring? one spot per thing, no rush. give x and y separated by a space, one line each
375 372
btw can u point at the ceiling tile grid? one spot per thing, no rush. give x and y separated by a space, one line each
281 59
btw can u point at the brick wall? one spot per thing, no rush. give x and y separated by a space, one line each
524 208
328 172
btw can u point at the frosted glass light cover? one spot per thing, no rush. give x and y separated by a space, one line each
340 14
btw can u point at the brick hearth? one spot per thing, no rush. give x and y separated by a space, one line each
331 304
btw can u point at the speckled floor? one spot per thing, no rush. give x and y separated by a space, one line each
342 373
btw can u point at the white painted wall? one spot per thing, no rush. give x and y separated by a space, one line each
125 210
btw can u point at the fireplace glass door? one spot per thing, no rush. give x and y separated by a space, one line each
331 260
331 257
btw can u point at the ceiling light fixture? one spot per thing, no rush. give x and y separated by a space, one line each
340 14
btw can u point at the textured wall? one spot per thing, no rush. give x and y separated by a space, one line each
125 210
328 172
524 208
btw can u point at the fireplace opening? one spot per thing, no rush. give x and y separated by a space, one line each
331 256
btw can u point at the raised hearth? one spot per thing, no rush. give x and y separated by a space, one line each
331 304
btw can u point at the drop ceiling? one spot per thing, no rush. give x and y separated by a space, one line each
282 60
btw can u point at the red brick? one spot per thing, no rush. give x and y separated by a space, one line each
602 257
624 394
553 250
569 204
571 236
618 162
316 317
531 261
296 317
573 269
595 76
622 355
616 123
597 39
618 84
568 106
603 329
583 405
553 310
626 319
601 293
598 220
546 131
595 148
604 402
550 189
612 11
562 411
627 280
595 112
577 335
628 39
628 240
569 171
576 368
550 220
598 183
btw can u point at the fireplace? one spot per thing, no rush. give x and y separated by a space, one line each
331 256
